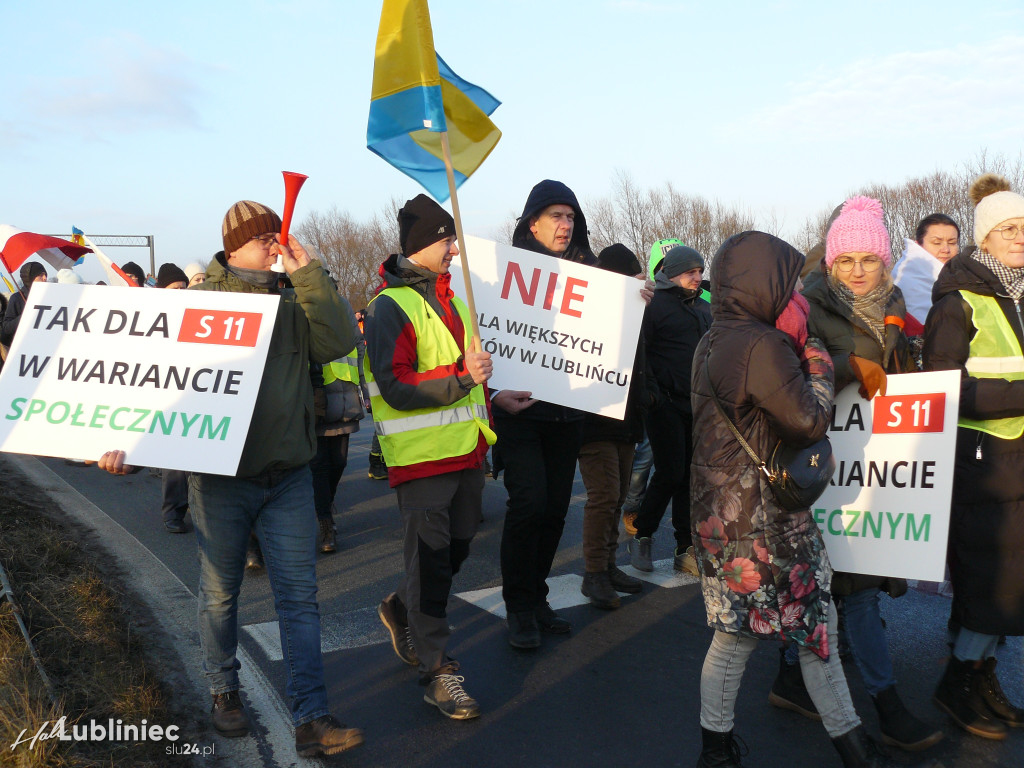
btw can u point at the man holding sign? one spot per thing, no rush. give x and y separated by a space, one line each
272 491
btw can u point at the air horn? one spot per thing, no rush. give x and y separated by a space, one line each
292 184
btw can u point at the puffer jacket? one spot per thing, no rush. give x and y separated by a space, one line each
986 534
843 333
764 570
311 326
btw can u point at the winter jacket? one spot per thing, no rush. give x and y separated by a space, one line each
844 334
986 535
339 404
541 196
311 325
391 355
764 570
673 324
833 322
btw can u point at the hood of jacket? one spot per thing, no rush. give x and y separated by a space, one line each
545 193
964 273
753 275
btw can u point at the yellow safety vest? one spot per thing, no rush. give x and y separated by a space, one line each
344 368
428 434
994 354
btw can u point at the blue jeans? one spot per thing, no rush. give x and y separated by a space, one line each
643 458
224 509
866 636
723 671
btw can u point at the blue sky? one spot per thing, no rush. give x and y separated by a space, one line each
138 118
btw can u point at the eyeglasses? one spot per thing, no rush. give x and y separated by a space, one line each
1010 232
846 264
266 240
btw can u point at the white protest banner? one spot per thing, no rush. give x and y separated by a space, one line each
563 331
170 377
886 511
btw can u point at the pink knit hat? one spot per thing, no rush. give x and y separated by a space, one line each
860 228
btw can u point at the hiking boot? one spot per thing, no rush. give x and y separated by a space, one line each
229 718
900 728
629 521
598 587
446 693
858 750
686 562
392 613
523 629
623 582
640 553
550 622
325 736
790 692
995 699
960 695
253 555
328 538
378 468
721 750
175 526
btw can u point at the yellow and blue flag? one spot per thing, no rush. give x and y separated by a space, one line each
416 96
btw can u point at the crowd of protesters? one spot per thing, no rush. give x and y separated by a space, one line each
781 335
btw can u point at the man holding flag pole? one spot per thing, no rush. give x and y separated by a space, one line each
424 366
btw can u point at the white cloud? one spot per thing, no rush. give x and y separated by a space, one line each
129 86
969 88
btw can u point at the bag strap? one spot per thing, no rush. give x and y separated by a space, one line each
732 427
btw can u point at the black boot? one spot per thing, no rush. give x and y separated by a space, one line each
900 728
858 750
998 704
789 692
598 587
720 750
960 695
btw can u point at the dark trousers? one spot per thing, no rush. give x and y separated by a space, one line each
670 431
540 464
174 486
606 468
327 467
440 515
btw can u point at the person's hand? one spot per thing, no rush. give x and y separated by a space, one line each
113 462
478 363
815 359
513 400
293 255
870 375
647 292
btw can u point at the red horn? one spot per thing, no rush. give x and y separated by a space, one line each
292 184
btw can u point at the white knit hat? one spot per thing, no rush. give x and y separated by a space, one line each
70 277
194 269
994 203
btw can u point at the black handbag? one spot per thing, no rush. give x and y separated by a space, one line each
796 476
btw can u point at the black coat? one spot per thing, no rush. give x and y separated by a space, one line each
673 325
986 535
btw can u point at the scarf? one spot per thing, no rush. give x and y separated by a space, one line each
257 278
869 308
793 321
1011 279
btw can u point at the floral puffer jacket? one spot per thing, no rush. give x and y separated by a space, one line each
764 570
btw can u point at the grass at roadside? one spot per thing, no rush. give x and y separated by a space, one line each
91 637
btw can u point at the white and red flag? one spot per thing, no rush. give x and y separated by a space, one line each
16 247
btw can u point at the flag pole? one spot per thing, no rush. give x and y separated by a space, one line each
14 280
470 302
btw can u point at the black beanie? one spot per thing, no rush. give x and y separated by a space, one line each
681 258
618 258
422 222
30 270
170 274
133 269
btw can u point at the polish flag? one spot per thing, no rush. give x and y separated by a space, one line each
16 247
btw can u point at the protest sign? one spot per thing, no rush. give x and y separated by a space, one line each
563 331
886 511
170 377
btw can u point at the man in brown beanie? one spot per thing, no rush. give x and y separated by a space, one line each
272 491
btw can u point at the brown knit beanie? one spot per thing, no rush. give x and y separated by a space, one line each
246 220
